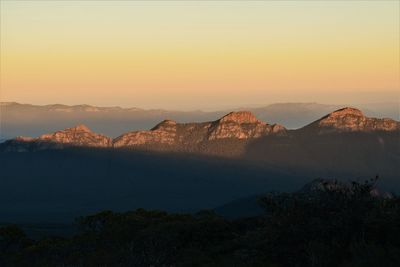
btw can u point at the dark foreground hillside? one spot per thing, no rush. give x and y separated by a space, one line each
327 224
58 185
55 186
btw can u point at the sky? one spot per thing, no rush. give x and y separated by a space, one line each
199 55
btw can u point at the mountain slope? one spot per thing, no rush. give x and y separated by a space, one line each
59 185
235 125
350 120
79 135
344 142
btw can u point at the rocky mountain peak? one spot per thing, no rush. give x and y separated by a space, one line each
165 125
79 135
162 133
240 117
347 111
351 120
79 128
235 125
241 125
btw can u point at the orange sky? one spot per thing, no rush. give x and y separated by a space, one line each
189 55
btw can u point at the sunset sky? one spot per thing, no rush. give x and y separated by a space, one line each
199 55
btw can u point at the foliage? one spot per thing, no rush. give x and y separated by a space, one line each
335 225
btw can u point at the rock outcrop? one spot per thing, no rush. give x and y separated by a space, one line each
163 133
79 135
241 125
351 120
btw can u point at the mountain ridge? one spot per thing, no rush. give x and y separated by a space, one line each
237 125
34 120
351 120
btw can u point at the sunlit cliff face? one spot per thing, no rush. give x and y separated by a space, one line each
352 120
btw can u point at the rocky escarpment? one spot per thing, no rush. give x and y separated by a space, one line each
79 135
229 133
242 125
350 120
163 133
235 125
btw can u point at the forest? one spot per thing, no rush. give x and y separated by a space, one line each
331 224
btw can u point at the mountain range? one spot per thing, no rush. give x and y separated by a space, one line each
234 130
343 142
179 166
34 120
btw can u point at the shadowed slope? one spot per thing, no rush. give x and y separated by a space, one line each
59 185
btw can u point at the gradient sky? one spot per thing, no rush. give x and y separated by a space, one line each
190 55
